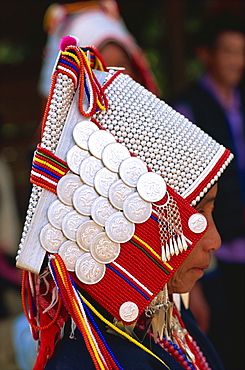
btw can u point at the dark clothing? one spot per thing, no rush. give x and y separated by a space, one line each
224 290
71 354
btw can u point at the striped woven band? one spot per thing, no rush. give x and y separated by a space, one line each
47 169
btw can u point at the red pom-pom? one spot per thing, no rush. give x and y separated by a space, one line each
68 41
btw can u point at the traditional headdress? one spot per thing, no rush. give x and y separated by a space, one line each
115 178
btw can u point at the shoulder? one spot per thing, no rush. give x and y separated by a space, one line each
203 342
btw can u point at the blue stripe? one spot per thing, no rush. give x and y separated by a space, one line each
128 281
96 326
46 171
69 64
154 218
86 88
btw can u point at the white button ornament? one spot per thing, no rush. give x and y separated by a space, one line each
129 311
197 223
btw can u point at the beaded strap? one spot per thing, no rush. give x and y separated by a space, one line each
47 169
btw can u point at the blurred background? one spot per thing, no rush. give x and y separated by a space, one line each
164 29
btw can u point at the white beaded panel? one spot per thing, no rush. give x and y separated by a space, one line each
163 138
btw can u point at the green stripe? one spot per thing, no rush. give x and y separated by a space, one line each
148 255
53 160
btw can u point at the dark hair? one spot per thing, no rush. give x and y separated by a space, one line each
213 26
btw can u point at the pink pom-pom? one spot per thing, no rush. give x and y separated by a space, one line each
68 41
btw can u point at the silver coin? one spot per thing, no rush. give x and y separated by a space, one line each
136 209
131 169
118 192
83 198
70 252
197 223
71 222
101 209
51 238
82 131
98 140
74 158
118 228
103 179
88 169
56 212
129 311
85 234
113 155
66 186
103 249
151 187
88 270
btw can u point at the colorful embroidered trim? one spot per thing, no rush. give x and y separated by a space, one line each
77 62
79 309
47 169
97 347
128 281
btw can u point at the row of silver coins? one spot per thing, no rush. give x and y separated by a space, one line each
99 204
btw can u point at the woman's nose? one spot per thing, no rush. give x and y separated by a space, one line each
211 239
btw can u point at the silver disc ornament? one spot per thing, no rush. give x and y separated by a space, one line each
97 142
85 234
136 209
118 228
88 270
83 198
51 238
70 252
101 210
131 169
71 222
82 131
103 249
66 187
104 178
151 187
56 212
74 158
118 192
88 169
113 155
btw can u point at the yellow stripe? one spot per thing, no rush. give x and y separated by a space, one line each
89 336
72 55
91 75
59 269
152 251
86 59
98 64
49 165
100 105
121 332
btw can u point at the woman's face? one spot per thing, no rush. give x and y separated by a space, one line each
198 260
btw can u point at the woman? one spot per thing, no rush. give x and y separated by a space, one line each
137 169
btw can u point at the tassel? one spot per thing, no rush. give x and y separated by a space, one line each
170 229
176 249
171 247
167 252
